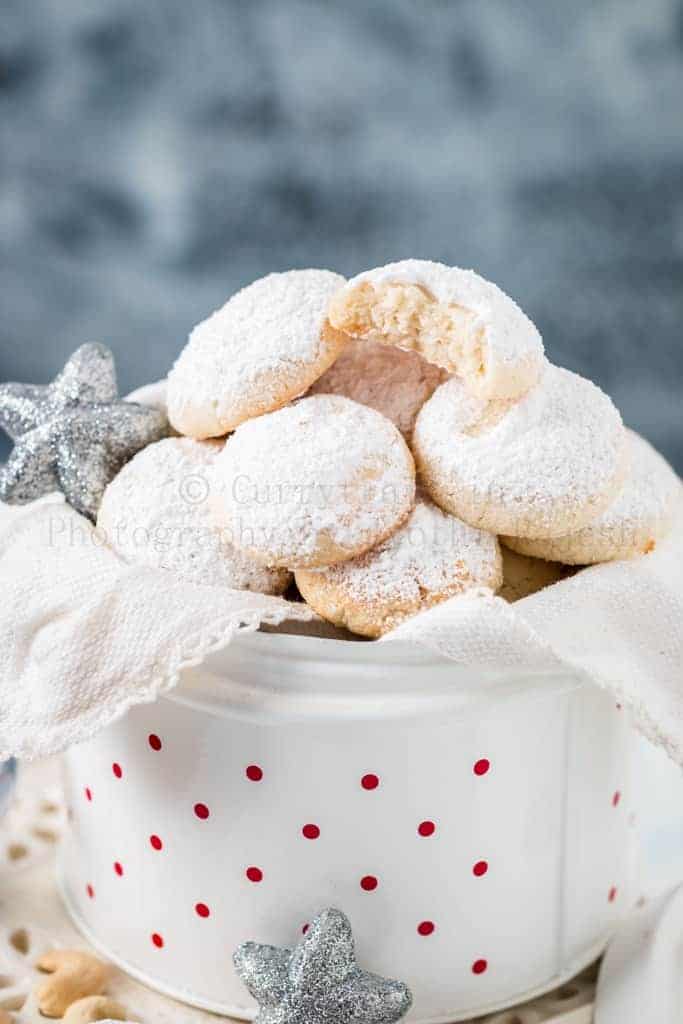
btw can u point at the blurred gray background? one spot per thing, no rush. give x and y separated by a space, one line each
157 154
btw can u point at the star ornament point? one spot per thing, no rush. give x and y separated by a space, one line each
73 435
319 982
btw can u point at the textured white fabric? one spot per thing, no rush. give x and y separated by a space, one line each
83 636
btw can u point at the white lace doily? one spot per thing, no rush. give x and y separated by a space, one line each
33 920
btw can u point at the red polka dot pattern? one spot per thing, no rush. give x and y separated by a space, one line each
117 770
202 910
369 883
157 940
482 766
254 773
480 868
254 874
202 811
156 843
426 829
88 793
90 891
310 832
305 929
616 798
479 966
612 894
154 742
370 781
426 928
118 868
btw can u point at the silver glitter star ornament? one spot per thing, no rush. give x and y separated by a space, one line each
319 982
73 435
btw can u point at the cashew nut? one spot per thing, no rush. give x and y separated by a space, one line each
94 1008
73 975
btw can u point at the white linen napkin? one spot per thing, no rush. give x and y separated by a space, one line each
84 636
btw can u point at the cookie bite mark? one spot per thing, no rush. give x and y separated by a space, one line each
433 556
451 317
263 348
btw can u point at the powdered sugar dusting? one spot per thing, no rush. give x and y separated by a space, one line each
514 347
632 525
432 556
394 382
542 466
314 483
155 513
265 346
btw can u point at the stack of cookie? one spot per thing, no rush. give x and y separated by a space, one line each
382 434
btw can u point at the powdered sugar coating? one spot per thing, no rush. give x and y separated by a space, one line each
155 512
152 395
394 382
432 557
263 348
640 515
315 483
513 354
541 467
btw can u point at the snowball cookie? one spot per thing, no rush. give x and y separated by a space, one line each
432 557
394 382
523 576
155 512
315 483
540 467
452 317
640 515
265 346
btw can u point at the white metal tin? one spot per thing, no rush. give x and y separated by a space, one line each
289 773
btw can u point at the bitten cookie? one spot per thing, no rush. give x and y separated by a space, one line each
155 512
432 557
318 482
264 347
388 379
523 576
543 466
452 317
632 525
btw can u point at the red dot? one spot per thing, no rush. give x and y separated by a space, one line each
117 770
426 828
118 868
612 894
616 798
481 766
254 874
90 891
369 883
425 927
202 811
156 843
479 966
254 773
370 781
480 868
311 832
154 741
157 940
88 793
305 929
202 910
